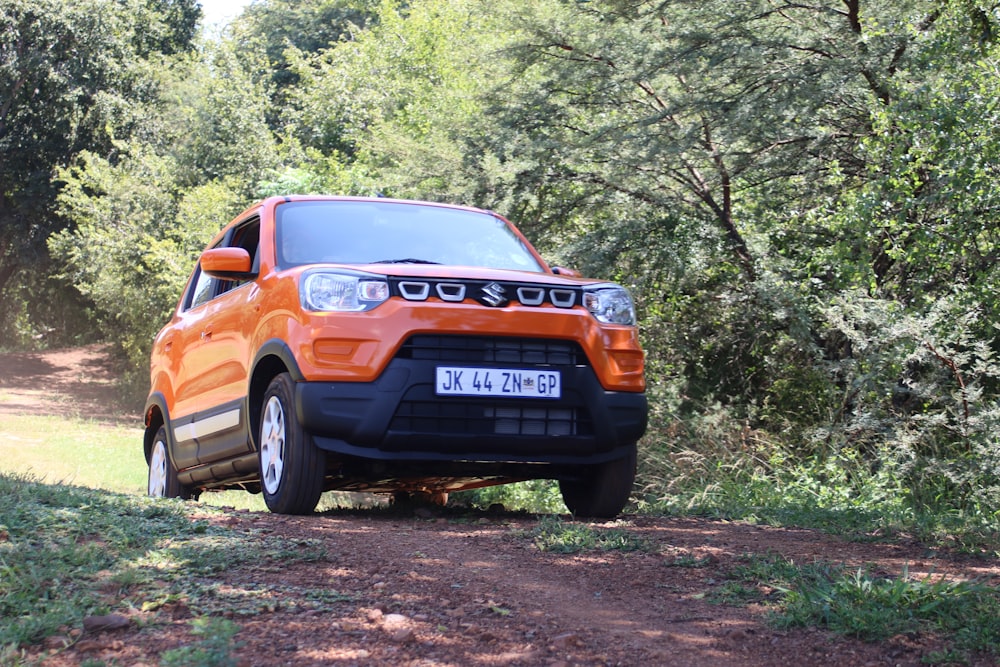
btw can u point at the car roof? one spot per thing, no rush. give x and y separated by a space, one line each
277 200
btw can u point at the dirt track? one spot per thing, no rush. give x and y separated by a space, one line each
432 587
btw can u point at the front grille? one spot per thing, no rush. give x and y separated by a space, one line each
493 350
492 293
471 417
422 412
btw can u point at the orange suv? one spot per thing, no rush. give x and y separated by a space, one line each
370 344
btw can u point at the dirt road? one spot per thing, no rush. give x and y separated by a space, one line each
448 587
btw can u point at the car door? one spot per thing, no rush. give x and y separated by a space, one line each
214 367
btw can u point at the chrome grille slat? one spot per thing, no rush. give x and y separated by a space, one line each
414 291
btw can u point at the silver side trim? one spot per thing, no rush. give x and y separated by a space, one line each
208 426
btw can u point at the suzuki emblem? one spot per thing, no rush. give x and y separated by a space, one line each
494 295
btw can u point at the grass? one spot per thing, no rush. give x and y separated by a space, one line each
73 451
97 455
212 648
63 547
837 494
863 604
68 552
61 544
568 537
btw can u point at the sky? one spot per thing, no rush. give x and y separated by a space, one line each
222 11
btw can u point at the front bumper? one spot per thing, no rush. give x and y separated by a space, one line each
399 417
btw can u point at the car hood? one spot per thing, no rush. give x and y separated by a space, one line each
473 273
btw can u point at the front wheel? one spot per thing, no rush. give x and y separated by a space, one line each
292 468
162 479
603 490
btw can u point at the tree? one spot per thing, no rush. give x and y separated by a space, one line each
140 218
70 75
134 240
276 28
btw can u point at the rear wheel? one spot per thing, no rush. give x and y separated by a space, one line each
603 490
292 468
162 481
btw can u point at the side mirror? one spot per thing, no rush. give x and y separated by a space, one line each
563 271
227 264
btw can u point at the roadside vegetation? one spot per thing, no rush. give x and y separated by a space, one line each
70 554
802 205
801 198
87 543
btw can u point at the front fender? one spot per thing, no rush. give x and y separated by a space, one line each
156 414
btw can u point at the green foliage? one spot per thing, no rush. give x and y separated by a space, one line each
538 496
42 311
555 535
63 548
134 241
215 642
799 199
72 78
217 130
281 30
871 607
926 384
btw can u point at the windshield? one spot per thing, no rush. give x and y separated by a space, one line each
351 232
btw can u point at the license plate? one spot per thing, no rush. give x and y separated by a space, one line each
523 383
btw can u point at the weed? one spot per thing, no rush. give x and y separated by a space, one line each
62 546
213 649
555 535
859 604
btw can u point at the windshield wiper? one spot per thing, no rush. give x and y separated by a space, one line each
405 260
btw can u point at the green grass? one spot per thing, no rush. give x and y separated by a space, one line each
866 605
212 649
861 604
837 494
106 456
68 552
567 537
61 544
96 455
73 451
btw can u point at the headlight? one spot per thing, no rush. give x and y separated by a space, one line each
342 291
610 304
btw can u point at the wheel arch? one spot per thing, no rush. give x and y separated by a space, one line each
156 415
273 358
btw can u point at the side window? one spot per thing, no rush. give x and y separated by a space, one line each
204 288
245 236
248 238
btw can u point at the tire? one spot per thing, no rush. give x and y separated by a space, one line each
292 468
603 490
162 480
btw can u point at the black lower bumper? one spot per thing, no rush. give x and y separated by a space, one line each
400 418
